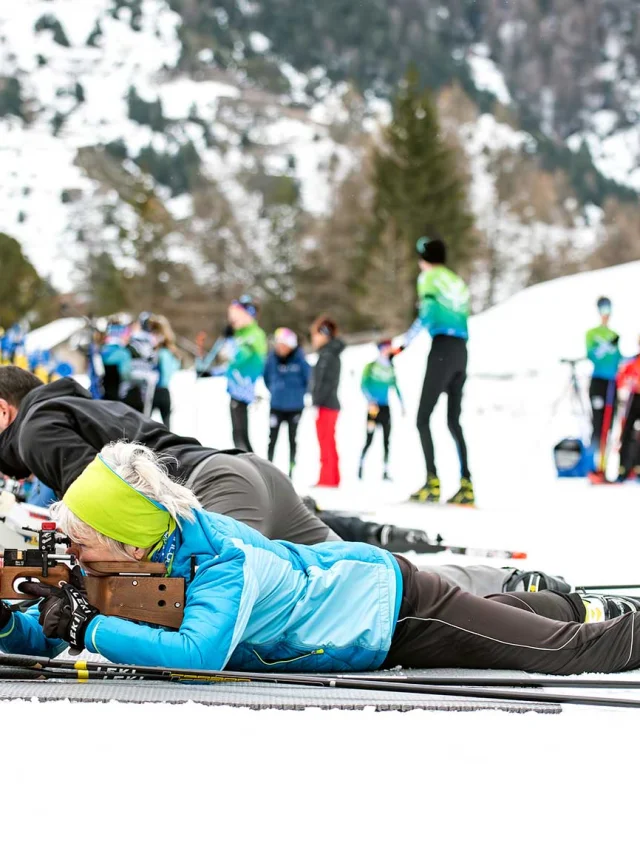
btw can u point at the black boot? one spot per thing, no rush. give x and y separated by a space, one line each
600 608
396 539
528 581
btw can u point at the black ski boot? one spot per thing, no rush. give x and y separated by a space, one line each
528 581
600 608
395 539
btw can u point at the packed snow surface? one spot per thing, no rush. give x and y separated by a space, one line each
193 778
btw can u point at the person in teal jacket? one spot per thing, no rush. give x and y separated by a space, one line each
378 378
246 352
603 351
257 604
443 311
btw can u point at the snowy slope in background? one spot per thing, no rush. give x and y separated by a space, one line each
38 166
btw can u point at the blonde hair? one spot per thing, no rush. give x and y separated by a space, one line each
145 471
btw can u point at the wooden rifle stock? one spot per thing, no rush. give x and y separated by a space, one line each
115 588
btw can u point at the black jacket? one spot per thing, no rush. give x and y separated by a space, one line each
60 428
326 375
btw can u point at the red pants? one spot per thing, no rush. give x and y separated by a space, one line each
329 463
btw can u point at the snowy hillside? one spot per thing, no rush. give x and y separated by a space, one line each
78 95
98 102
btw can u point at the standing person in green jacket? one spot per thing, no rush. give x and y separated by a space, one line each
603 351
443 310
247 352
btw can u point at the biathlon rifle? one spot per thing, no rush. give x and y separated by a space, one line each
118 588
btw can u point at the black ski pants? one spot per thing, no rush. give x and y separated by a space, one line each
601 391
630 439
292 419
240 425
381 419
440 625
446 373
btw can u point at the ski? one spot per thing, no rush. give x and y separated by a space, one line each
19 668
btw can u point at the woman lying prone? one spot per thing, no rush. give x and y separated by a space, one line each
256 604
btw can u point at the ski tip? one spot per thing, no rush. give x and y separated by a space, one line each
519 555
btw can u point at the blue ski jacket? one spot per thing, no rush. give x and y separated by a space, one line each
287 380
253 604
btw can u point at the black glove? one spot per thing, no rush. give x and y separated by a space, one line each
64 611
5 614
228 331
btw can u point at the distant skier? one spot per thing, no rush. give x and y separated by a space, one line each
116 357
378 378
604 352
324 392
139 388
246 351
629 381
443 310
168 362
286 375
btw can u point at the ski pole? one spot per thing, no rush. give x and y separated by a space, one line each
501 554
595 587
37 667
89 671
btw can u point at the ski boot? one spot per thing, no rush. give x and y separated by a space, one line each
385 474
528 581
360 469
429 493
395 539
464 497
601 608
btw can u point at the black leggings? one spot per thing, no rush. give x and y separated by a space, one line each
382 419
276 418
240 425
446 373
599 392
440 625
162 402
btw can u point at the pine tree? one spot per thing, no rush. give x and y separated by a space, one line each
22 292
419 187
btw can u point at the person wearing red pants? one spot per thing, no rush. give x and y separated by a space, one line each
324 393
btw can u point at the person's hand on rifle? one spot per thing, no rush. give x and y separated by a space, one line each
5 614
65 611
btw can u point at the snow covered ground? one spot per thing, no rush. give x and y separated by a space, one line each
167 778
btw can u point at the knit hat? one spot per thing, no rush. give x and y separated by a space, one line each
285 336
246 302
432 251
385 342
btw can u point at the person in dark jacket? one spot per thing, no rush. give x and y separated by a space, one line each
324 393
54 431
286 375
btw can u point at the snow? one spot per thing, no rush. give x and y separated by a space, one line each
54 333
359 781
189 778
485 73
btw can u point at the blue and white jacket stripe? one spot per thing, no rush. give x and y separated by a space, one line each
255 604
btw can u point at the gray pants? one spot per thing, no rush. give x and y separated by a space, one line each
480 580
253 491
